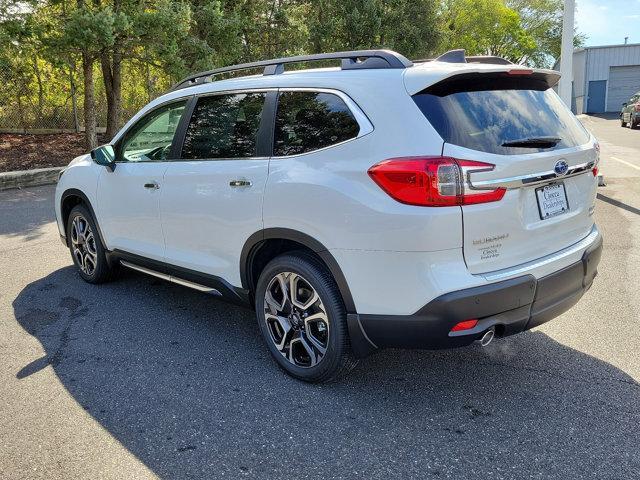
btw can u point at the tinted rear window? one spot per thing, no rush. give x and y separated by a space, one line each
309 121
483 119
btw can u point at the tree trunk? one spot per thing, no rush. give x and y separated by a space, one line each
74 99
89 105
90 135
36 70
147 72
112 76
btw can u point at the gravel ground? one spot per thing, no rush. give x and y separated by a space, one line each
140 378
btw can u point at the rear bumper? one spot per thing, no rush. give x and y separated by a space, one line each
510 306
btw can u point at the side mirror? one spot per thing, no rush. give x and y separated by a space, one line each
104 155
624 104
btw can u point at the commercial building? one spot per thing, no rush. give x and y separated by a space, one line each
604 77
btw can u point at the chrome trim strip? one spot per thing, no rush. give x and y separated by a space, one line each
528 180
170 278
148 271
554 257
195 286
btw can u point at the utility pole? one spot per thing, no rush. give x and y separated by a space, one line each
566 53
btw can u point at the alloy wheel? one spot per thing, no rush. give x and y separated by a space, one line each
83 245
296 319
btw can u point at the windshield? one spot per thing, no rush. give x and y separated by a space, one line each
491 120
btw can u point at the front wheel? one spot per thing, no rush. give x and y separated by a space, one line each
86 248
302 318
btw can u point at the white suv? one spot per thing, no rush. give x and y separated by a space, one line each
375 204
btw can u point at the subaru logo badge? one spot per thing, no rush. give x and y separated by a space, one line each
561 168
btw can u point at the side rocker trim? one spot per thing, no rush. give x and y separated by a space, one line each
235 295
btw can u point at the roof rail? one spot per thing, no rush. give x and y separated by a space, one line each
458 56
357 59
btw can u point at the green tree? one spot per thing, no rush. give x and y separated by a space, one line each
136 29
542 19
486 27
409 26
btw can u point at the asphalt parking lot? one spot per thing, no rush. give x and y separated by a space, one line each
140 378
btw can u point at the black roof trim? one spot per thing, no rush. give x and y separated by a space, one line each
357 59
458 56
488 59
452 56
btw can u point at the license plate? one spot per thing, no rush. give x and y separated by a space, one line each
552 200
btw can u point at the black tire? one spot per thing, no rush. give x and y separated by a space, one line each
632 124
338 358
622 122
102 271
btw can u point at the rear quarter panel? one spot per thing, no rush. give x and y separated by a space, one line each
328 194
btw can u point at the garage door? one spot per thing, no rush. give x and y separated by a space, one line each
623 82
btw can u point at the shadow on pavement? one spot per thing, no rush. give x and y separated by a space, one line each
185 383
16 221
606 115
619 204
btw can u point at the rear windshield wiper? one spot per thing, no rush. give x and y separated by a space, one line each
536 142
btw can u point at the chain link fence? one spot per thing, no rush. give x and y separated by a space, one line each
39 97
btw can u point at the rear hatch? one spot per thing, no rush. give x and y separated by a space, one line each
538 152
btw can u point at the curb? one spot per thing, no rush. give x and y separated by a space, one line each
29 178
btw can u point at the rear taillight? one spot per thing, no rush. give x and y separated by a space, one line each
432 181
594 170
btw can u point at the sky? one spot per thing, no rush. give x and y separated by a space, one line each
607 22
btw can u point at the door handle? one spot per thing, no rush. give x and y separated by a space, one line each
152 185
239 183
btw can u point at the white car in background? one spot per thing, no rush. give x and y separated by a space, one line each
378 203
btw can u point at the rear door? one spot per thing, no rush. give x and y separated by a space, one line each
211 199
541 155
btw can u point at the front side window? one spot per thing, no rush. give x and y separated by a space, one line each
308 121
151 138
224 126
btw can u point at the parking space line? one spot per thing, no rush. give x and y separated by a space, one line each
625 162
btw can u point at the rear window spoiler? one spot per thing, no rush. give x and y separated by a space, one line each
518 78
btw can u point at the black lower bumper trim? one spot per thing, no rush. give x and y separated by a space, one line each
510 306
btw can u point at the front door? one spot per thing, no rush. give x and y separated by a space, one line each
129 197
211 199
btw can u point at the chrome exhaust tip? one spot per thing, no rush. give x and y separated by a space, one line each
487 337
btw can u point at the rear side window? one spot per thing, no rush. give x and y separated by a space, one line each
308 121
224 126
485 116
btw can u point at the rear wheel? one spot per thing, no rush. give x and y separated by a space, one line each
86 248
302 318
